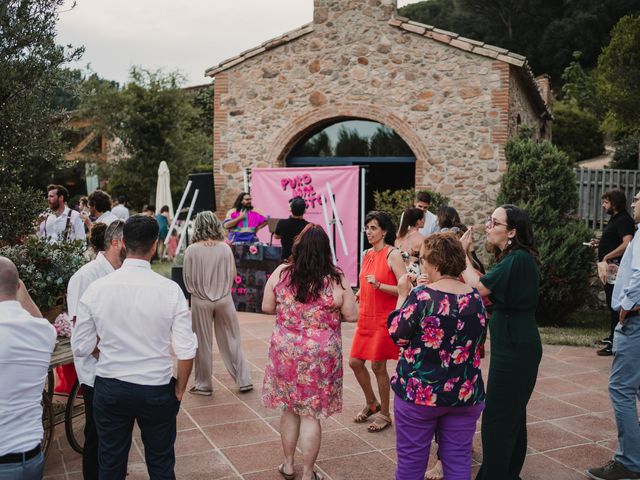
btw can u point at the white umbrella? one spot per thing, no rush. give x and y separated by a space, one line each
163 188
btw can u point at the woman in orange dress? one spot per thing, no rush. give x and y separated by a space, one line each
382 265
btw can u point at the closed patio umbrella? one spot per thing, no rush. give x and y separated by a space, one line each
163 188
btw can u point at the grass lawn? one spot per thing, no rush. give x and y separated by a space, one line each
585 328
163 268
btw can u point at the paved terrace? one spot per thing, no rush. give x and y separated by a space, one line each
231 436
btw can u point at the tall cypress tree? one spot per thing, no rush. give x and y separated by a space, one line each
540 179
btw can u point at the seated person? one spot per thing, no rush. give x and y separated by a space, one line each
242 221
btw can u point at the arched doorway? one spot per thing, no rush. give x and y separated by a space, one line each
389 162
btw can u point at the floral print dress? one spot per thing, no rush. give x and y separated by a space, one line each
304 371
439 335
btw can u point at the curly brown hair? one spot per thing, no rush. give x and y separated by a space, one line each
310 264
444 251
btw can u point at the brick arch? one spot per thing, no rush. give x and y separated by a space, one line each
314 119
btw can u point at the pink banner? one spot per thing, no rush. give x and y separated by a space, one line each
271 189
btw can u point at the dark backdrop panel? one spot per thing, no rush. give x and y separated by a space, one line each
206 198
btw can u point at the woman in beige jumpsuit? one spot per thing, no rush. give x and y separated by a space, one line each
208 272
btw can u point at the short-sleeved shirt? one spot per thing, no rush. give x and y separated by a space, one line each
515 340
514 282
163 223
439 335
288 229
620 225
245 230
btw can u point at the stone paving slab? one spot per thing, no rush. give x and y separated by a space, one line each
232 436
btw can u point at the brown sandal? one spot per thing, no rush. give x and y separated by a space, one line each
366 412
380 423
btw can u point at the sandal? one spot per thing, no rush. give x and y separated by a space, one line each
366 412
317 477
436 472
286 476
246 388
380 423
196 391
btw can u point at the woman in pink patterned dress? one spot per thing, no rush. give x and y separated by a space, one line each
303 377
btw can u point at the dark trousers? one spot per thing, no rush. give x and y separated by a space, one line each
116 405
613 315
504 421
90 450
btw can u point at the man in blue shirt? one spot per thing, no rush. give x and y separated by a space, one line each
624 380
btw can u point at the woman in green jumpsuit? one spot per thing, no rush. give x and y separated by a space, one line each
516 350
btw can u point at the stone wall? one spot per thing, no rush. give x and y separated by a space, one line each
449 105
521 109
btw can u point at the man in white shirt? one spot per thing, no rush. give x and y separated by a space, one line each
26 343
137 315
423 202
105 263
119 209
62 223
100 209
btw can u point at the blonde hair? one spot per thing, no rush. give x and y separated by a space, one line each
207 227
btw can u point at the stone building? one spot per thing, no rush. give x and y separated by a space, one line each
451 101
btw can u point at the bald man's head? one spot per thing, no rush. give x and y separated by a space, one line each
8 279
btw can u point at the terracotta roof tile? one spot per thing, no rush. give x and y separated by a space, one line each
446 32
477 47
268 45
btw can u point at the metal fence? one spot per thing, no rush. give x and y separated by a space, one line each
592 183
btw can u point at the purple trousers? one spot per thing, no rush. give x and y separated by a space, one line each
415 425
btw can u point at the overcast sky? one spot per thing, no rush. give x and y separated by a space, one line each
188 36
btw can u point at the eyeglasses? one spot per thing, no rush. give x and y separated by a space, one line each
492 222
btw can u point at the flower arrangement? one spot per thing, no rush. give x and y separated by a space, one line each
45 268
62 325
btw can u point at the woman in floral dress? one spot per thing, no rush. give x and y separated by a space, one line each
303 376
438 384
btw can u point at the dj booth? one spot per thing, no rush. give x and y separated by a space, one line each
254 263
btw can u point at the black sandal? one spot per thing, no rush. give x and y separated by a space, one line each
286 476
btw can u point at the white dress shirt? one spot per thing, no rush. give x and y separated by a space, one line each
107 218
95 269
26 344
53 227
137 314
120 211
430 224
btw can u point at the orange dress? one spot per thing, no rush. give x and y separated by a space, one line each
371 340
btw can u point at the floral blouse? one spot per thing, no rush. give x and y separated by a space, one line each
439 335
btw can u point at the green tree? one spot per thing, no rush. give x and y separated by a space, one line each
579 87
626 156
540 179
351 144
618 78
30 72
576 131
385 142
155 120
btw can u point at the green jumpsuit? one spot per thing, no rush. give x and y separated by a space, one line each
516 351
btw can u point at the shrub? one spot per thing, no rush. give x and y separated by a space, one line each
576 132
540 179
626 156
394 202
19 212
45 268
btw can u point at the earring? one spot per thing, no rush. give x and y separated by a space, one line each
509 243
